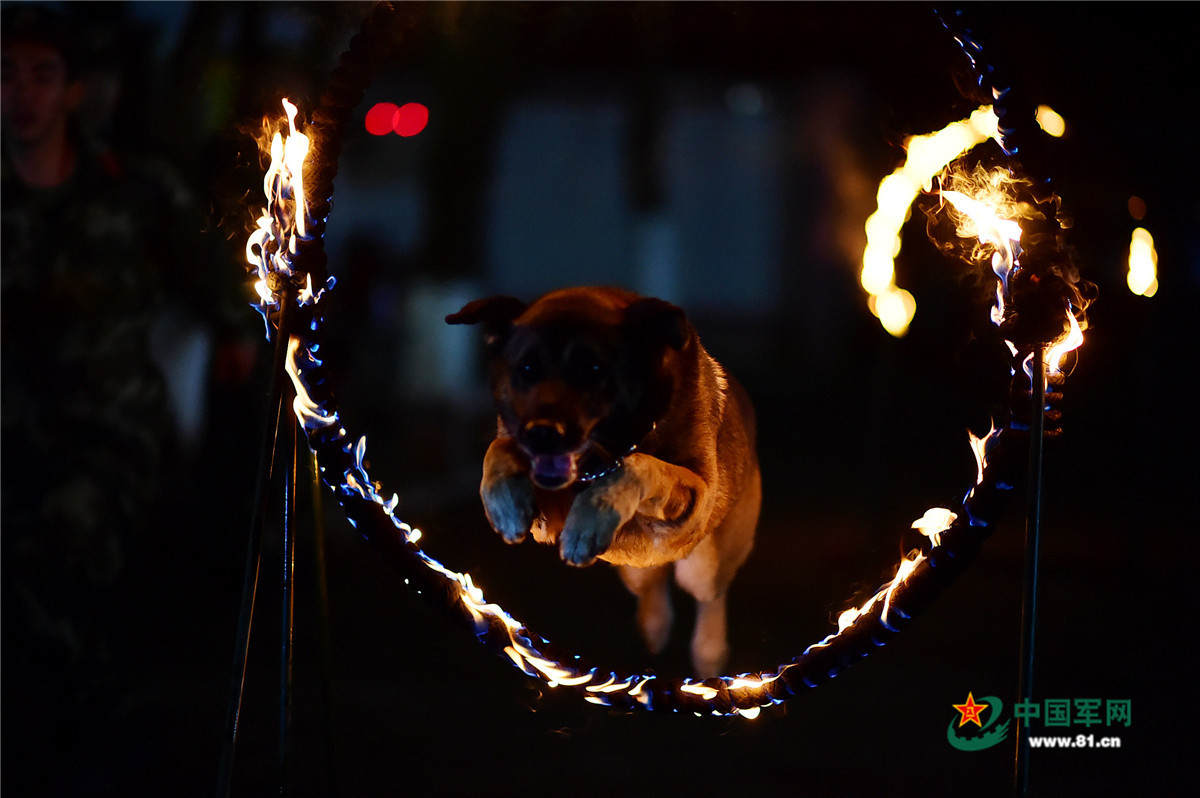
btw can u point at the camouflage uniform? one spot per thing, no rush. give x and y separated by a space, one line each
83 406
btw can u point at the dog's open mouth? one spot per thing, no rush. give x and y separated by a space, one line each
553 471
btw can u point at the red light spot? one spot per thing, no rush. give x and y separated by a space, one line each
411 119
381 119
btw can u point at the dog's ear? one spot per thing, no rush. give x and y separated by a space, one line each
495 313
659 321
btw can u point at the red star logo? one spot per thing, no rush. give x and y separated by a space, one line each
970 711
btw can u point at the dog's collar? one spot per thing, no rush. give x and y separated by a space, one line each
605 468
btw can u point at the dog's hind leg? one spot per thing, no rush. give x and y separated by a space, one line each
707 572
700 574
710 640
653 590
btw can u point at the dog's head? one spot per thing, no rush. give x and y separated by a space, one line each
580 376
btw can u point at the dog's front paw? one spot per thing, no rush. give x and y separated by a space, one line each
588 532
510 507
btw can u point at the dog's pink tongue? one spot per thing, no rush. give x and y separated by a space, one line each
553 471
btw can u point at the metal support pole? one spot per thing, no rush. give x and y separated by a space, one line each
266 467
288 602
1033 522
326 626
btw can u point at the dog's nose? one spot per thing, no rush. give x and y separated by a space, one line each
544 437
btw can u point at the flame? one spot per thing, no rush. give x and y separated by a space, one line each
702 690
979 448
925 157
286 173
1070 342
751 682
986 212
982 207
1143 264
310 414
980 219
847 618
935 521
996 314
907 566
284 221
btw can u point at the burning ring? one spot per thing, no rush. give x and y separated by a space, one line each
287 244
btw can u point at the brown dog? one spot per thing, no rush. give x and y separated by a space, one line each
621 438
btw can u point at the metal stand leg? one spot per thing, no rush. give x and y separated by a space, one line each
1033 521
326 626
288 595
281 419
266 467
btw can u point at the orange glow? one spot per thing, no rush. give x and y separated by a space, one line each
1051 121
1143 264
926 157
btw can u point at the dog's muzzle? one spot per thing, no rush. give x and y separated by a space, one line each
553 461
553 471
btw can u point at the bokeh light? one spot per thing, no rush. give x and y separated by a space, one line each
411 119
1143 264
1051 121
381 119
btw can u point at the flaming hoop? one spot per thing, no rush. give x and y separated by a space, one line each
285 253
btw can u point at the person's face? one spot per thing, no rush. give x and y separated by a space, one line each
37 94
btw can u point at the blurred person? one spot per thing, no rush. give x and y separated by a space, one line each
87 235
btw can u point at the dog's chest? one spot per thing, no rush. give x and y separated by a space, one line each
553 506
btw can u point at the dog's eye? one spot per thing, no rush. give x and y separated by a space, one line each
529 368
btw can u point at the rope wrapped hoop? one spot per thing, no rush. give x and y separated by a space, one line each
290 263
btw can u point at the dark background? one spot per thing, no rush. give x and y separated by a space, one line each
726 153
